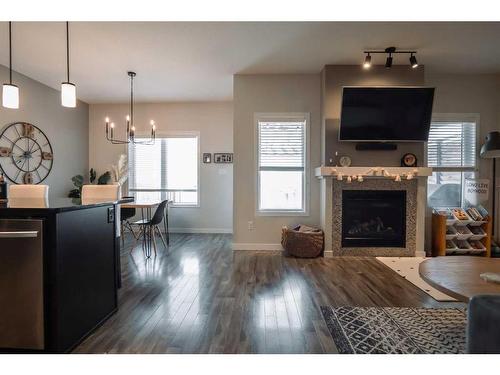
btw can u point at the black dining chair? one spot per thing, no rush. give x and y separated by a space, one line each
152 226
125 215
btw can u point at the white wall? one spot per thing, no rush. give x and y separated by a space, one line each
66 128
279 94
214 121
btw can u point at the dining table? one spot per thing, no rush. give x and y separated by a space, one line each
146 207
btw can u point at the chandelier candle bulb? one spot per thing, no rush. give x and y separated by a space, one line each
112 129
128 124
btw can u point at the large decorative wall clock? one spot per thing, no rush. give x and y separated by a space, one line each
26 155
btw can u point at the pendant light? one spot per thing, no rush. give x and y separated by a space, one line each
68 89
10 92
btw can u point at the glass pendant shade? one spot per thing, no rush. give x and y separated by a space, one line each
10 96
68 95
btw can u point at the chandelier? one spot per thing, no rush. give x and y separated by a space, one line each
130 132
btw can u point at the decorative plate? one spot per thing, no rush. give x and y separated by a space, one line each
345 161
26 155
409 160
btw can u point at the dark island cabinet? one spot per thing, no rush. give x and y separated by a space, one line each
58 272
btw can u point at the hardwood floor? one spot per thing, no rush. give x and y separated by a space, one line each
201 297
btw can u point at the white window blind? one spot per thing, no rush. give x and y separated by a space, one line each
452 145
281 145
282 163
168 169
451 152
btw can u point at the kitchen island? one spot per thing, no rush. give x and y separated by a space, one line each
58 272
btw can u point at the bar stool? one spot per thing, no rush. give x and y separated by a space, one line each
100 193
29 191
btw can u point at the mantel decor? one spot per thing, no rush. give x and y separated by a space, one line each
351 174
130 132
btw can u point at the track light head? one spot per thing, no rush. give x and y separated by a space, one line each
388 62
368 62
413 61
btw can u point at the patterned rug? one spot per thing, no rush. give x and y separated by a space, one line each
397 330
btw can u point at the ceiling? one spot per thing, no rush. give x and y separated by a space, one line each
195 61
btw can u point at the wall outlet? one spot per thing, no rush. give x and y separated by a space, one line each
250 225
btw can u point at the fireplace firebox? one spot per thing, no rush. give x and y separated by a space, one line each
374 218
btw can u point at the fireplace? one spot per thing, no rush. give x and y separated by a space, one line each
374 218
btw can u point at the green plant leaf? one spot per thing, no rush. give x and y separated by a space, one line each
92 175
77 181
75 193
104 178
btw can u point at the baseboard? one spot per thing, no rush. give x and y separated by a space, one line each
201 230
258 246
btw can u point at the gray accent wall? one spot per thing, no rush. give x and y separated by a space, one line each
66 128
334 77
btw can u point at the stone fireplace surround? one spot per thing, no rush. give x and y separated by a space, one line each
331 208
410 186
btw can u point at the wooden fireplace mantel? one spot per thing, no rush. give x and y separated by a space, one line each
375 172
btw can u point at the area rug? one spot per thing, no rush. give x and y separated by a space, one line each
396 330
407 267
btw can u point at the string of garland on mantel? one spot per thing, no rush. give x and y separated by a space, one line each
378 172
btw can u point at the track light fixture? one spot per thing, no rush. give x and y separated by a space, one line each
388 62
413 61
368 62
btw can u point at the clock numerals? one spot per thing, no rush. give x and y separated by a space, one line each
47 156
28 178
5 152
28 130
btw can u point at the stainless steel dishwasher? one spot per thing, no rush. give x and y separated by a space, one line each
21 284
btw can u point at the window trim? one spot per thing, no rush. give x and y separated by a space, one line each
285 116
175 134
458 117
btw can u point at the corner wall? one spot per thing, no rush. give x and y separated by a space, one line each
66 128
279 94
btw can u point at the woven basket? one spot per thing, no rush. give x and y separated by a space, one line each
302 241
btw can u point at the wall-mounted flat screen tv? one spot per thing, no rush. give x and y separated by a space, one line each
386 114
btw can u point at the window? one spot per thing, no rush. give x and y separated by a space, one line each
451 152
282 164
166 170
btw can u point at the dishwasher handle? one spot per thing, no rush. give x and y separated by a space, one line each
19 234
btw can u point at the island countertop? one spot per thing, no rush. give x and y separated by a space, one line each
54 205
